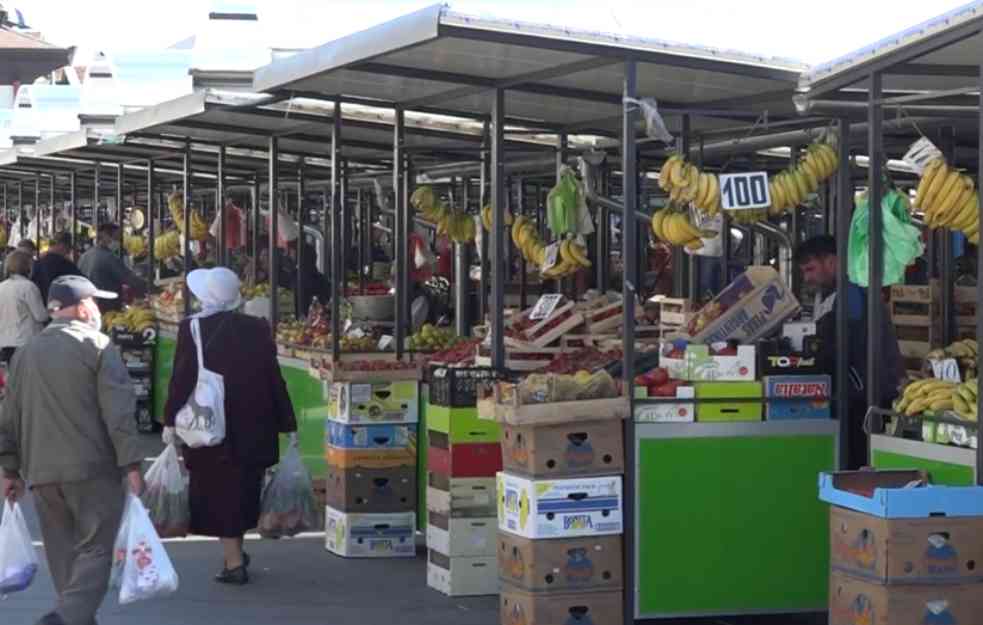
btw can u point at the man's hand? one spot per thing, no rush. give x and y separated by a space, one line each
135 481
13 488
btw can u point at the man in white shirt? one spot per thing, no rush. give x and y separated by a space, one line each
22 313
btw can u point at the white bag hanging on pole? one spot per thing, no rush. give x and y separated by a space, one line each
141 568
18 560
201 422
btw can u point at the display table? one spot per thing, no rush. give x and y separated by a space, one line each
728 520
947 464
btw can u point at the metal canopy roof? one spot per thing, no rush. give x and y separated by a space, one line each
557 76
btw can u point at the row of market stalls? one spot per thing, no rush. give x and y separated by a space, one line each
716 492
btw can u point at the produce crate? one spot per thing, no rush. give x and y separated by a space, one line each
675 311
563 320
917 305
457 388
965 300
522 359
506 408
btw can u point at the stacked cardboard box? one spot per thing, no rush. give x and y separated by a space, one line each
463 456
370 489
560 522
903 555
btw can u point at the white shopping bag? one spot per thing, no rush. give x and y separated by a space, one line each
141 568
166 497
18 560
201 422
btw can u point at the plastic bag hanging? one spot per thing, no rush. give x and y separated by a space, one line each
141 568
563 204
655 126
902 240
166 497
288 507
18 559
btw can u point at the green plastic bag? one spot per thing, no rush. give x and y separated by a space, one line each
562 205
902 240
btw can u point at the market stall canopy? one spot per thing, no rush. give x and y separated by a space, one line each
24 57
436 60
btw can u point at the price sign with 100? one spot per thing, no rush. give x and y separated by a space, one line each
744 191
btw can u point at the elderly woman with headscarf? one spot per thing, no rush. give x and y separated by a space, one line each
226 480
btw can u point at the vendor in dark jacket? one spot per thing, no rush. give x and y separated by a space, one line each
226 480
55 263
817 259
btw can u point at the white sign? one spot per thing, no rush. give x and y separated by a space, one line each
384 342
947 370
545 306
744 191
552 253
920 154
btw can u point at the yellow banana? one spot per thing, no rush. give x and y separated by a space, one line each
938 183
692 184
946 195
968 213
703 191
812 181
677 177
801 184
657 218
950 209
712 203
579 254
664 179
931 170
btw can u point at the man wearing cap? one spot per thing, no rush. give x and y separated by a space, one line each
102 265
67 429
54 264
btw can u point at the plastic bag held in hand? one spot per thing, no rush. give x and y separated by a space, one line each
18 560
288 507
166 497
141 568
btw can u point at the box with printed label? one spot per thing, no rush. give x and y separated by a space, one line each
672 358
704 364
854 601
462 536
462 425
729 401
381 402
463 459
371 490
461 496
906 551
798 397
561 565
371 458
776 359
563 508
370 535
604 607
746 310
385 436
462 577
564 450
683 412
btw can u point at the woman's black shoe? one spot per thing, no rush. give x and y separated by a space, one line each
235 577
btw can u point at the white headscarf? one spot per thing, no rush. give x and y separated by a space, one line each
217 289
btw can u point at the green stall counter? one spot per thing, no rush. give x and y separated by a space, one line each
946 464
728 519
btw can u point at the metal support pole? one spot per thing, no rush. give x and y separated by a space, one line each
484 278
562 153
257 222
51 203
979 291
462 271
498 258
21 217
793 224
273 191
946 262
119 207
346 223
364 238
223 255
876 238
602 260
681 286
844 212
74 198
629 230
186 255
151 223
520 209
96 199
37 212
399 231
303 297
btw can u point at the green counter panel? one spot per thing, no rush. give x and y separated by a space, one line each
942 472
164 365
731 525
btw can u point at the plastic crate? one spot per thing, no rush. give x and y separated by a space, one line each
458 387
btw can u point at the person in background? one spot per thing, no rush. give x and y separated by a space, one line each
305 281
67 429
102 265
817 259
55 263
28 247
226 480
22 312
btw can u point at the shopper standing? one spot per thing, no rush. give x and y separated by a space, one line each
102 265
22 312
55 263
226 480
67 429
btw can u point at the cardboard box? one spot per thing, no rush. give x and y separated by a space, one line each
566 508
798 397
886 494
371 490
463 459
462 536
582 608
854 601
564 450
703 366
461 496
371 458
748 309
726 411
462 425
682 412
906 551
561 565
462 577
677 368
370 535
378 402
387 436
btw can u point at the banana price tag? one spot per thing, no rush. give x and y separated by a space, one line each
552 253
920 154
947 369
545 306
744 191
384 342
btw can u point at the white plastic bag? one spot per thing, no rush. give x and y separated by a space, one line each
18 560
288 507
141 568
166 497
201 422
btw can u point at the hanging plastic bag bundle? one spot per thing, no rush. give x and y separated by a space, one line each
166 497
18 560
288 507
141 568
902 240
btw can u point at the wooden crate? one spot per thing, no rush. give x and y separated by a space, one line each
965 304
915 305
675 311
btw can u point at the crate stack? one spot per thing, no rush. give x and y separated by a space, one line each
916 312
560 549
370 489
903 555
463 456
965 300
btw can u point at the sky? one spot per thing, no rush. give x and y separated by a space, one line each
811 32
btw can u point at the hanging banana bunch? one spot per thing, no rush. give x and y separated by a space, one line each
570 256
167 245
486 217
199 227
949 199
790 188
686 183
675 228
